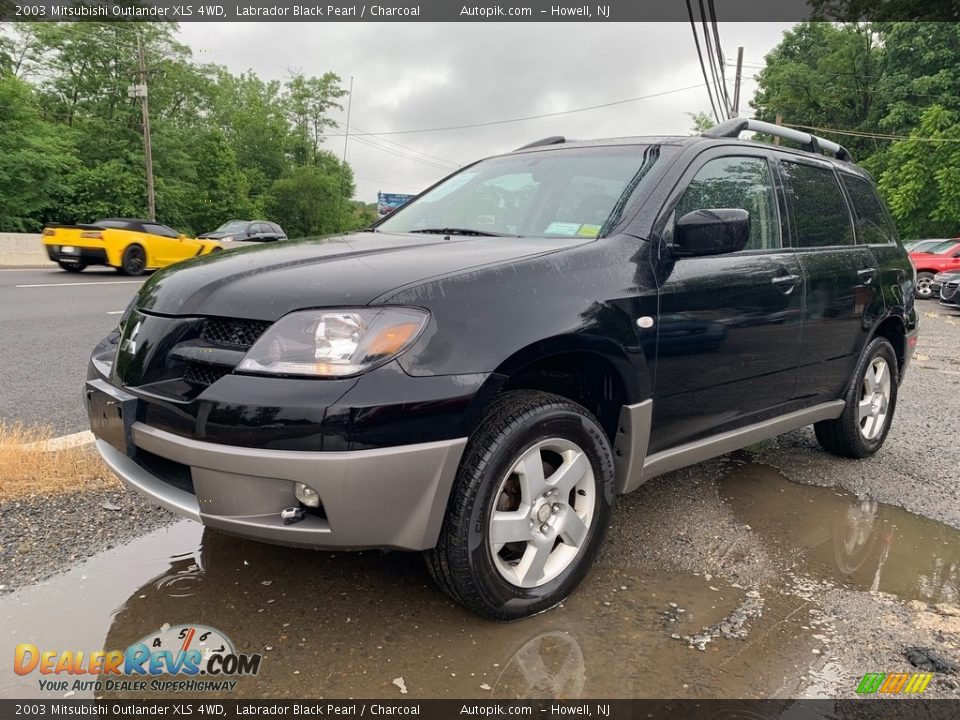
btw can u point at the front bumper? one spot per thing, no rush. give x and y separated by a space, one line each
389 497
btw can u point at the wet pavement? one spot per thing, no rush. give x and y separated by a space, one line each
756 594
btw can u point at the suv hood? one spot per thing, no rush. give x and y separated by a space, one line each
265 282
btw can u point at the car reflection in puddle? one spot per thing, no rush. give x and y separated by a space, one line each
830 535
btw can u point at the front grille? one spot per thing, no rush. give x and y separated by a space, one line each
949 289
229 331
202 374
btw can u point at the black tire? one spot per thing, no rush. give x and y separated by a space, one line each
845 436
923 289
463 561
72 267
134 260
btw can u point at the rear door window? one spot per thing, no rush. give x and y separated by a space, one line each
820 214
873 223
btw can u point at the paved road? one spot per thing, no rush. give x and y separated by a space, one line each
49 322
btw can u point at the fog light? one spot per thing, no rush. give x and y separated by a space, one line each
306 495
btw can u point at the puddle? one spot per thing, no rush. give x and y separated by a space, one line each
348 624
858 543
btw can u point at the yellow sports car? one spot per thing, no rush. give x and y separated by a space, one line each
129 245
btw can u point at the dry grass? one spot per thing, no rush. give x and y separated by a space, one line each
31 471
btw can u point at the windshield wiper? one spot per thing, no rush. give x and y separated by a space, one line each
461 231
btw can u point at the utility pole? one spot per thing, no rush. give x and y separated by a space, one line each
779 121
140 91
343 166
735 111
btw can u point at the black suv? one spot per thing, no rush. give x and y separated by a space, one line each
481 373
246 231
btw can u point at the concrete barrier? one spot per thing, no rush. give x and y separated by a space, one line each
22 250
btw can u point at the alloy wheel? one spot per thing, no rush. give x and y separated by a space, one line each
874 399
542 513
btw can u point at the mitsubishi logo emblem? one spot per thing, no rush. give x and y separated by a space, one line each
129 344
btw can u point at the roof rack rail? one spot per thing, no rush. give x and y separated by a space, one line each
811 143
552 140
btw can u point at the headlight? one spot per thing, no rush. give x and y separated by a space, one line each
228 238
334 343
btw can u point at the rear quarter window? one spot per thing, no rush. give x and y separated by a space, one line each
873 223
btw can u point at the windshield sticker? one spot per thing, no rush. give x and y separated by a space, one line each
562 228
588 230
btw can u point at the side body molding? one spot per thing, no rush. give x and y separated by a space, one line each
634 467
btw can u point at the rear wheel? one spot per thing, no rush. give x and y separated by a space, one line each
134 260
871 400
72 267
529 508
923 289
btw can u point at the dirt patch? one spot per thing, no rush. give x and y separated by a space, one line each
28 467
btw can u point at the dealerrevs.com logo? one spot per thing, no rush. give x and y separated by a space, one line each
181 658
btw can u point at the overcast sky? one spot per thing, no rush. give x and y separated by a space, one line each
411 76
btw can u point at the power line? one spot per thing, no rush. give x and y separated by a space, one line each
390 151
530 117
723 70
875 136
703 67
411 149
719 82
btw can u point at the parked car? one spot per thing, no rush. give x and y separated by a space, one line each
130 245
950 290
481 374
246 231
929 264
929 245
940 278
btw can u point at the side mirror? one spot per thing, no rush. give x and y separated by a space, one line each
711 232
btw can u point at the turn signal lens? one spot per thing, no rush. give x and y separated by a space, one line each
91 235
392 340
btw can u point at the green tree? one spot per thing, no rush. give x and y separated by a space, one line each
36 160
921 180
823 75
701 122
309 102
313 199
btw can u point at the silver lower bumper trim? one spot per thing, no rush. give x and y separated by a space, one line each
388 497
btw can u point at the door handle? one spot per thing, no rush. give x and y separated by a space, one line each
789 280
867 274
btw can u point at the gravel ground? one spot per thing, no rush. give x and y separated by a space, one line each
40 536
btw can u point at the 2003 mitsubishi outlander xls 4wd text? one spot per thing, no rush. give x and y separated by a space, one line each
481 373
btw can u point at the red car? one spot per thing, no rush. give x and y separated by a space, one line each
929 264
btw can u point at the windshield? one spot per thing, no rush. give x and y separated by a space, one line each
577 192
232 226
942 247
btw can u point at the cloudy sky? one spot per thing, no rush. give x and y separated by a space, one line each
424 76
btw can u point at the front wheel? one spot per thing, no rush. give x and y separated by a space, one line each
134 260
870 403
924 291
528 509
